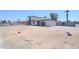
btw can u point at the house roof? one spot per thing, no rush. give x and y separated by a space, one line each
37 18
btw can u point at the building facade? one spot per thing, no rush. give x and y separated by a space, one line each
39 21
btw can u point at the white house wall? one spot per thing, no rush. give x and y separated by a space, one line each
50 23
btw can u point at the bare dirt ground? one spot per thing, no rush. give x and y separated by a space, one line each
1 40
33 37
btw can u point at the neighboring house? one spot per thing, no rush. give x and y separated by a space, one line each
69 23
77 25
39 21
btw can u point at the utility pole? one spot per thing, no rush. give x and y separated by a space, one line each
67 11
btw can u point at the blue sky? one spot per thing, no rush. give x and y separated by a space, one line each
13 15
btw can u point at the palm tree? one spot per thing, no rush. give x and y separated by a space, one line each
67 11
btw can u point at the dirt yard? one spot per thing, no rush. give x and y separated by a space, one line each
33 37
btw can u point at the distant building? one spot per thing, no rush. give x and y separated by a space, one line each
77 25
69 23
23 22
39 21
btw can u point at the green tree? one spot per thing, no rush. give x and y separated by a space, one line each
9 21
45 17
3 21
54 16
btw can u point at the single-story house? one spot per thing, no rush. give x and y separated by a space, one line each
39 21
69 23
